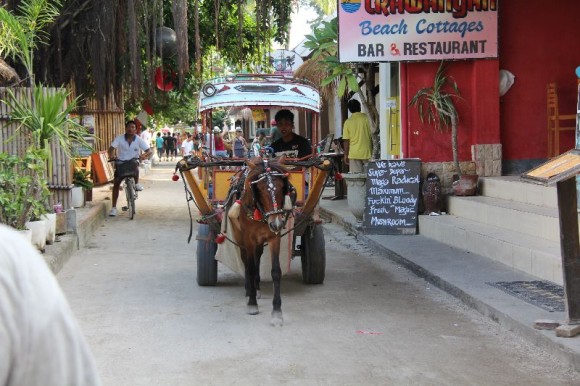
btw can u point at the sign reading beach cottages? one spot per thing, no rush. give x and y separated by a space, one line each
408 30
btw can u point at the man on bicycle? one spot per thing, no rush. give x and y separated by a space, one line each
128 146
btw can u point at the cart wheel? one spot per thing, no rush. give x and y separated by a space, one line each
206 264
313 255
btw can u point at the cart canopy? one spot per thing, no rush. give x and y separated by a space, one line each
259 90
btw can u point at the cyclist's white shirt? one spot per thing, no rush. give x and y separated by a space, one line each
126 151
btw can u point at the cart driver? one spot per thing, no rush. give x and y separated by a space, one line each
290 144
128 147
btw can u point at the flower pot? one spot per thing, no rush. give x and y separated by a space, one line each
50 227
88 195
77 197
38 229
466 185
356 193
61 223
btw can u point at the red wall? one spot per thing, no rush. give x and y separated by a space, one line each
538 44
478 109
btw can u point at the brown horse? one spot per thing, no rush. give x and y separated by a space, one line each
258 217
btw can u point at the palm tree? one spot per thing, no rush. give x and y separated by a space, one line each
328 7
21 34
435 105
348 78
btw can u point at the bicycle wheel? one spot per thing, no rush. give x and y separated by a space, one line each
130 193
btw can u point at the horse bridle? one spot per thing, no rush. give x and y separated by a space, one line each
267 174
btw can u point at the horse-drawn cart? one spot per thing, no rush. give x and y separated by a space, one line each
262 202
247 206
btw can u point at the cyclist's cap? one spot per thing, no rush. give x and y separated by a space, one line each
239 129
216 130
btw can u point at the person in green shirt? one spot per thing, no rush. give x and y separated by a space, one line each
356 134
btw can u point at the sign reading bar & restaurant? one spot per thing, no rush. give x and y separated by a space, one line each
412 30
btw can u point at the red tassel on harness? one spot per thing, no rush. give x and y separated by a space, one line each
337 176
175 177
220 238
257 215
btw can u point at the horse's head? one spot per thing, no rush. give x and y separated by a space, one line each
272 195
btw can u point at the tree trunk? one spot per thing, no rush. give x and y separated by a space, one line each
197 40
369 102
8 75
454 145
180 11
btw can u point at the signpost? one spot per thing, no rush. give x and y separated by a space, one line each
392 197
561 171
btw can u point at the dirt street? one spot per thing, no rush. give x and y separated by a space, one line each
370 323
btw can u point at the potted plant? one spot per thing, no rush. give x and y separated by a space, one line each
82 179
23 189
435 104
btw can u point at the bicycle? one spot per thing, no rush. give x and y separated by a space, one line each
126 170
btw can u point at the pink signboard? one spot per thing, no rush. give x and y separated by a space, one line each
412 30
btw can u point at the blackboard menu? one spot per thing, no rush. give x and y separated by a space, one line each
392 197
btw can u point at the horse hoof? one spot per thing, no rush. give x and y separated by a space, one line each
277 318
252 310
258 294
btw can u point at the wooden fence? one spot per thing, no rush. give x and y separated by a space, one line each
109 122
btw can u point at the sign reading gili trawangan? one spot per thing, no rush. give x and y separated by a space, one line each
412 30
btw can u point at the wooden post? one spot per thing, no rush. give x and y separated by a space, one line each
570 247
202 204
316 189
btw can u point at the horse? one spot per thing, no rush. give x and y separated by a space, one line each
259 216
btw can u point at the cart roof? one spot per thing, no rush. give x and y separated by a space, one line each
259 90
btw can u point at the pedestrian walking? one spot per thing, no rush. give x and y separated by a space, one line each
159 145
187 145
176 145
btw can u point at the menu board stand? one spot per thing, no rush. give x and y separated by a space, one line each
561 171
392 197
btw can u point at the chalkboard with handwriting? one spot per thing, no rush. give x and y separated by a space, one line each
392 197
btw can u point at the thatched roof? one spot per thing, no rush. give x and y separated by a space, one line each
8 75
314 71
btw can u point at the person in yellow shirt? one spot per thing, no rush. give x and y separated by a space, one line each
356 134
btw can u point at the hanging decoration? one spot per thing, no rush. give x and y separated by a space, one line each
166 42
165 78
147 107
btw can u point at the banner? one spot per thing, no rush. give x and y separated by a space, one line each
416 30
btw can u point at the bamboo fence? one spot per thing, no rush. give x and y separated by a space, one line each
109 122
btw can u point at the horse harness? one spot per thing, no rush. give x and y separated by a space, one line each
257 212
